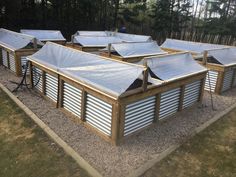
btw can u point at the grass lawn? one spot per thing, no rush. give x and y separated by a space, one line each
212 153
26 151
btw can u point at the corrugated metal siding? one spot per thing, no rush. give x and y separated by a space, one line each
23 64
139 115
72 99
51 87
191 93
228 77
169 103
98 114
37 78
213 80
4 58
12 62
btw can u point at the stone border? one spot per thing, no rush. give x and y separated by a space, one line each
157 158
69 150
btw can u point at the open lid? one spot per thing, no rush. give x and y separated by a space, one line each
107 75
92 33
136 49
195 47
133 37
98 41
44 35
226 56
170 67
13 40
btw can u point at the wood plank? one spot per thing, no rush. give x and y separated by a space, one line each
157 107
115 124
83 105
31 74
202 86
219 83
181 98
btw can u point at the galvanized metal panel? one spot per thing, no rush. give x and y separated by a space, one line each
12 62
51 87
169 103
4 58
213 75
37 78
139 115
191 93
72 99
98 114
23 64
228 77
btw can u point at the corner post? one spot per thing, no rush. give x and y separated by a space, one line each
109 49
145 75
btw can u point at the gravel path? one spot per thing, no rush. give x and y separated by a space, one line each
120 161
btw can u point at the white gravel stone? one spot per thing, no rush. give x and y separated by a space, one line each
120 161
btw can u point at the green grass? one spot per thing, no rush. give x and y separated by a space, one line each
26 151
212 153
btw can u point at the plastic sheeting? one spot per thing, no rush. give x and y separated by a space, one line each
226 56
175 66
92 33
103 38
189 46
14 40
98 41
45 35
110 76
132 37
138 49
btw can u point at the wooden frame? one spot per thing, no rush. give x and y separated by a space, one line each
82 48
61 42
17 57
220 69
119 104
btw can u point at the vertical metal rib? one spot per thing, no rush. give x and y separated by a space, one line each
213 75
191 93
139 115
98 114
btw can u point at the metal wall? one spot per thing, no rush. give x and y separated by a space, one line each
139 115
51 87
37 78
23 64
98 114
12 62
228 77
72 99
4 58
191 93
213 75
169 103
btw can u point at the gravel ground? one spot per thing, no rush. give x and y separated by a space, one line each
120 161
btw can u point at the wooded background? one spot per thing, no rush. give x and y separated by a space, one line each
198 20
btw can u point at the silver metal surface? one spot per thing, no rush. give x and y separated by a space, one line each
23 65
228 77
4 58
213 75
72 99
98 114
169 103
51 87
37 78
139 115
191 93
12 62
